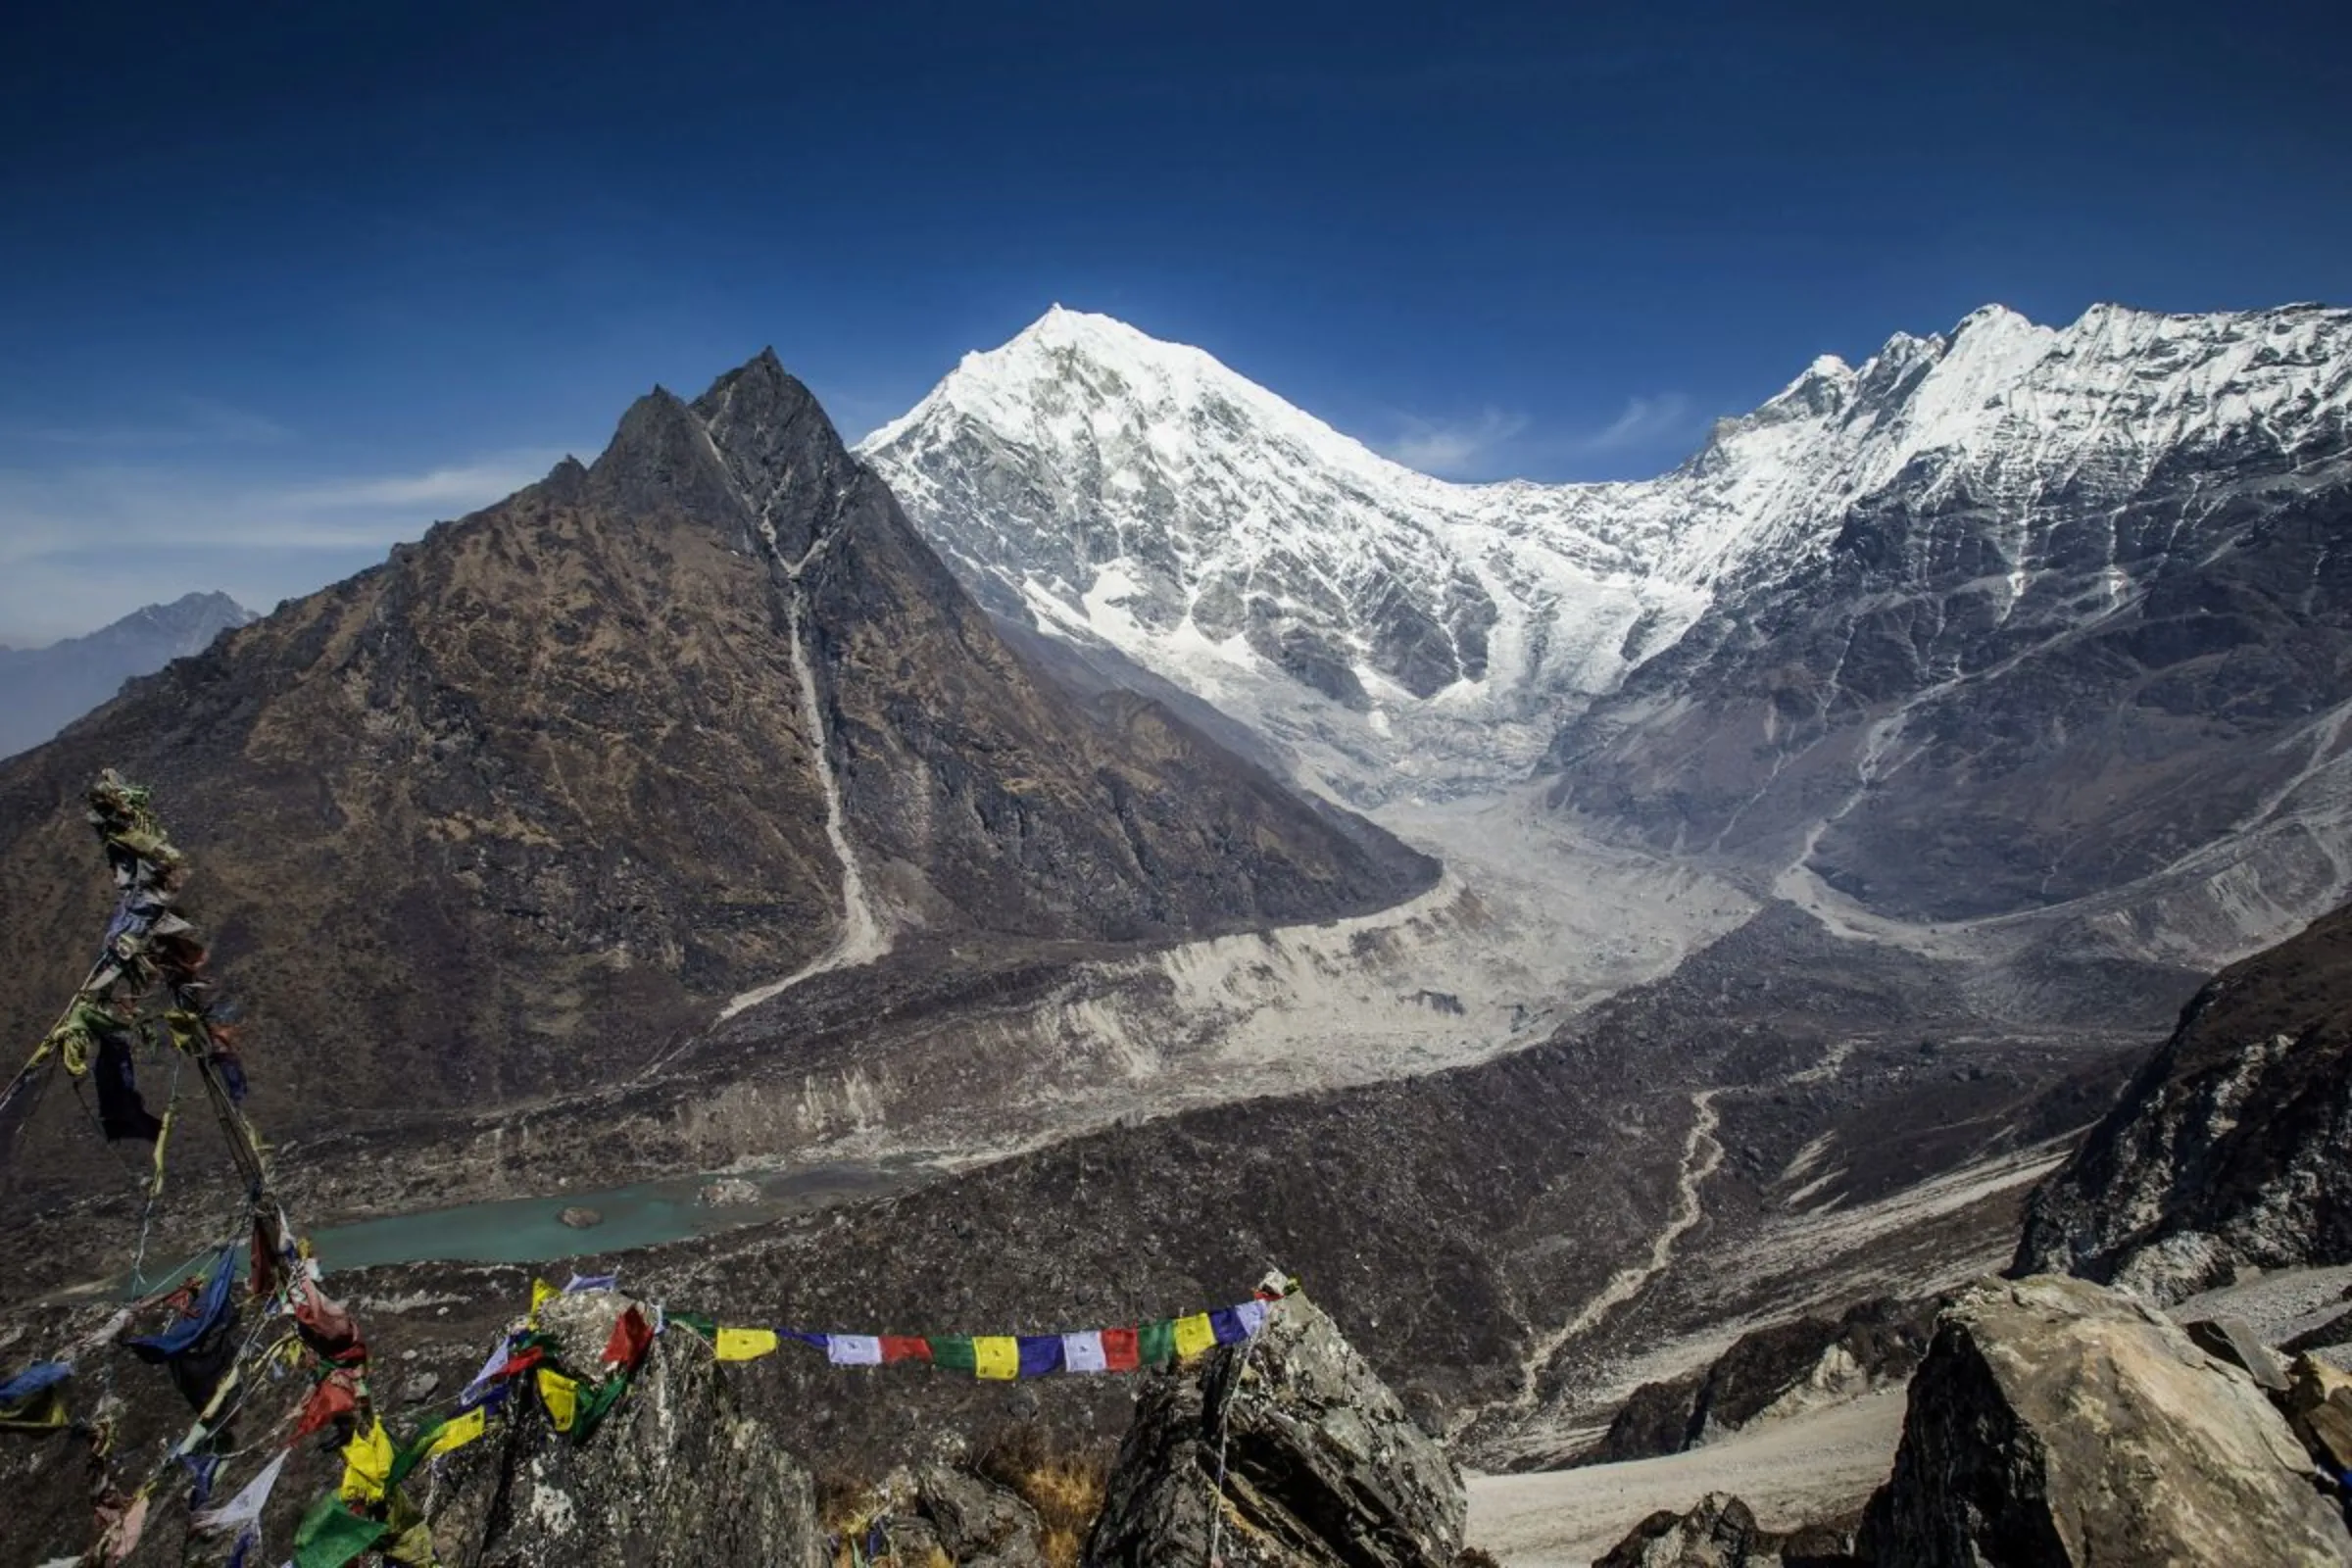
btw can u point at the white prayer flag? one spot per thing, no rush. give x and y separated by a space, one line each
246 1507
853 1350
1083 1353
1253 1317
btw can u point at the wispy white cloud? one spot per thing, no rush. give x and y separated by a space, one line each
1647 422
184 421
82 546
1456 448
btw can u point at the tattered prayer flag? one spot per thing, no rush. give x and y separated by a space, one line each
458 1431
853 1350
1254 1318
598 1404
1083 1353
995 1355
745 1344
1193 1336
541 1294
951 1352
33 1379
1225 1324
490 1365
632 1337
561 1397
590 1282
1119 1352
1155 1343
368 1463
329 1399
904 1348
246 1507
331 1535
1039 1353
707 1327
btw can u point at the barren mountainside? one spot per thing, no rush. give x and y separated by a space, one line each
503 815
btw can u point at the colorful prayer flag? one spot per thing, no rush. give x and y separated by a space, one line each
1193 1336
1225 1323
745 1344
331 1535
952 1352
541 1294
1155 1343
1119 1351
1040 1353
904 1348
561 1397
457 1431
368 1463
1254 1318
853 1350
632 1337
995 1355
1083 1353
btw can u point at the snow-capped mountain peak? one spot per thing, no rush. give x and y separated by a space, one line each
1400 632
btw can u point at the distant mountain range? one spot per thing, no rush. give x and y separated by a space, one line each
2005 619
44 689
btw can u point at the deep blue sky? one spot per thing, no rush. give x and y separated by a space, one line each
283 282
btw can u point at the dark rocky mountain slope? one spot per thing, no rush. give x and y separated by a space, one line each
2228 1148
500 815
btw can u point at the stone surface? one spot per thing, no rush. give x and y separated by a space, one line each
2057 1423
678 1476
2232 1341
2227 1151
1722 1533
1771 1372
1320 1462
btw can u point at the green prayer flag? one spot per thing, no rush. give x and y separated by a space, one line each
1155 1343
597 1405
953 1353
410 1457
330 1535
707 1327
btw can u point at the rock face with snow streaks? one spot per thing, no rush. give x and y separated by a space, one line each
2000 617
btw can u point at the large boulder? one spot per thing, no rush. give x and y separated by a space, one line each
678 1476
1722 1533
2056 1424
1320 1463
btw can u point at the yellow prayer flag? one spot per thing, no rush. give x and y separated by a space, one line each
561 1397
745 1344
541 1291
368 1464
1193 1334
995 1355
458 1433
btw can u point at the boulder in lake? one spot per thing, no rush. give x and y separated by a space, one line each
1321 1466
581 1218
2056 1424
728 1192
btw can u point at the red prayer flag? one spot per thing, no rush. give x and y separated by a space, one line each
333 1398
631 1338
519 1365
1118 1350
904 1348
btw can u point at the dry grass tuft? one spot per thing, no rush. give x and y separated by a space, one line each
1065 1487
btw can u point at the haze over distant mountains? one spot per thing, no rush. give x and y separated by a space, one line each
2005 619
43 689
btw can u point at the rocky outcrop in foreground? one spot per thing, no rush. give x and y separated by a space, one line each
2056 1424
1720 1532
2227 1151
1320 1464
680 1475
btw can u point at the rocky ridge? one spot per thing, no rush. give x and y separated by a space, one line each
694 721
2222 1154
